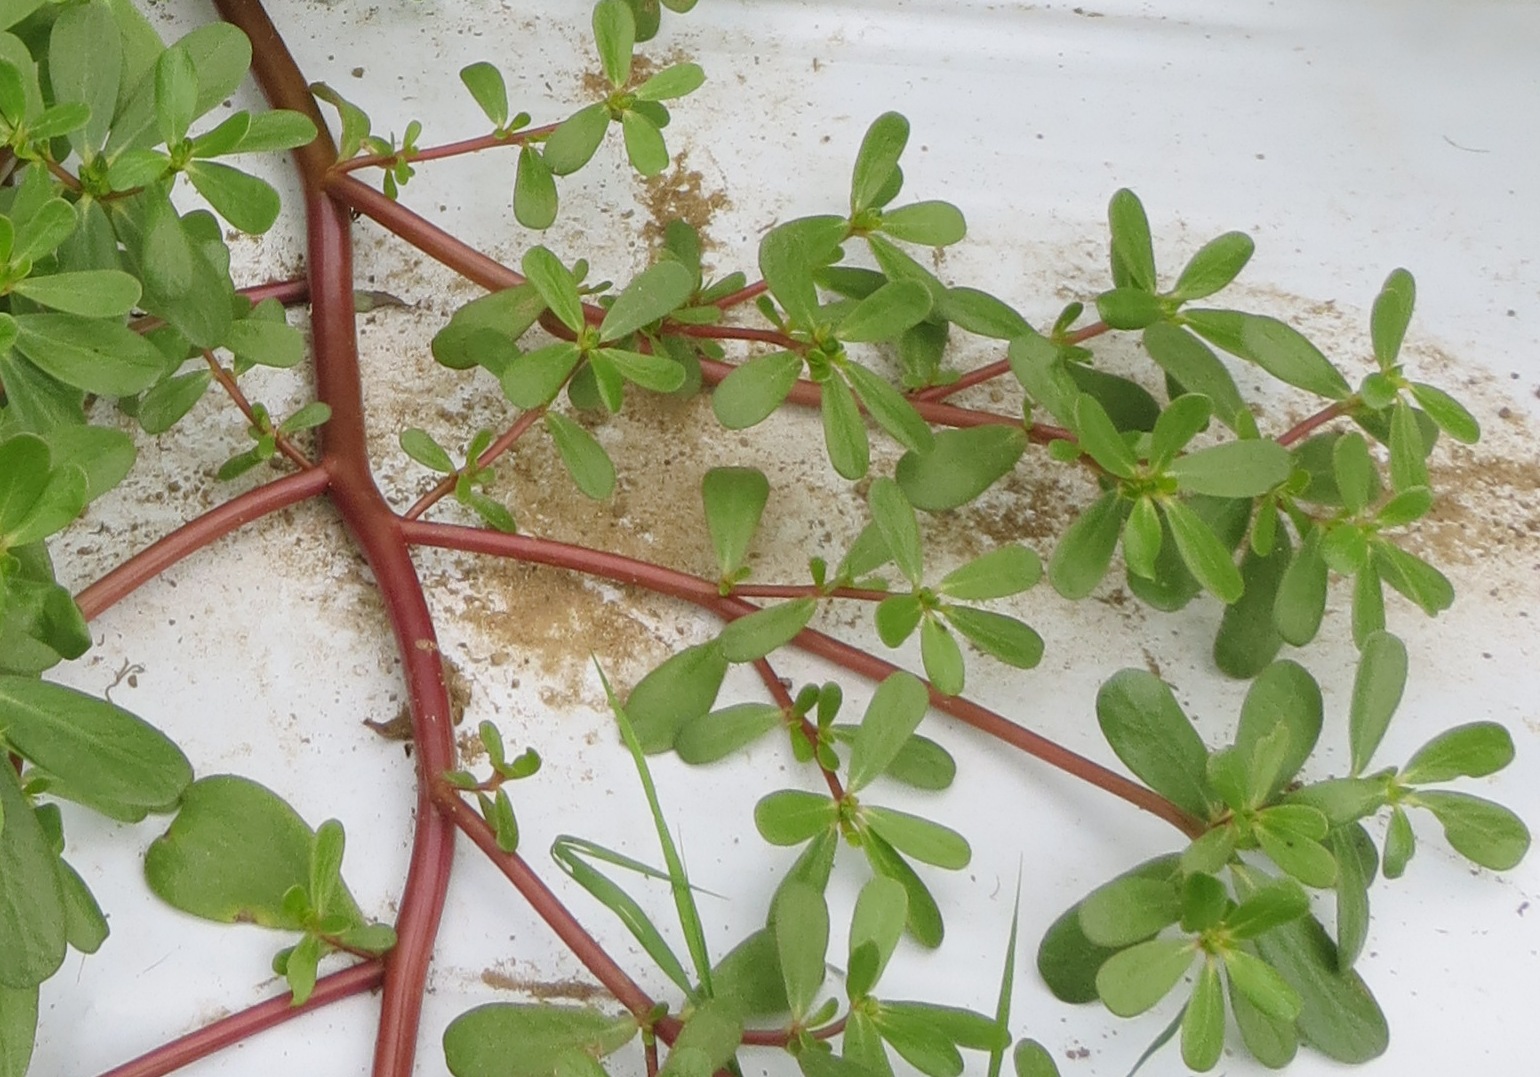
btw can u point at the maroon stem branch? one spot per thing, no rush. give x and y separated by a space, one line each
227 1031
227 382
546 904
704 593
449 149
496 449
1302 429
191 537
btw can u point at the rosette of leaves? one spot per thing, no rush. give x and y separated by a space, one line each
70 747
639 111
238 853
885 835
1288 981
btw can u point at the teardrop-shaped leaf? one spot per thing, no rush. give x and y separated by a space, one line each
679 690
791 817
885 313
1068 961
1473 750
1203 1022
553 280
485 82
585 459
1133 256
232 853
573 144
676 80
534 190
657 290
1099 437
1081 558
96 355
1134 980
93 293
1248 636
1204 555
615 35
924 920
877 159
718 734
748 395
895 520
878 921
932 223
1274 346
758 634
895 711
1301 601
1195 367
1392 313
1148 730
505 1039
247 202
1377 688
1284 696
97 753
735 500
1234 469
960 466
1214 266
998 635
1129 909
941 656
1262 986
800 920
32 912
1450 415
844 434
1479 830
889 409
1008 570
926 841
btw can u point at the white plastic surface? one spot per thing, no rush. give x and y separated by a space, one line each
1346 138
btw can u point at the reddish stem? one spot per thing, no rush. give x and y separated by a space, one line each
545 903
449 149
191 537
227 1031
1302 429
743 295
233 391
1003 366
704 593
806 590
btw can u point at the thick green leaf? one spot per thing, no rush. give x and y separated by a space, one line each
1148 730
645 148
896 521
247 202
1413 577
787 257
266 343
1392 313
1301 601
1274 903
586 460
718 734
877 159
673 81
420 446
1297 853
878 921
485 82
93 293
657 291
750 976
1203 1022
573 144
891 411
800 920
97 753
1202 552
961 465
919 1043
176 94
164 405
1248 636
33 917
1450 415
1377 689
533 379
735 500
1080 560
924 920
679 690
1099 437
1195 367
615 35
181 283
232 853
85 65
1285 697
933 223
98 356
862 1045
758 634
1129 909
885 313
505 1039
1068 961
1133 980
1400 843
1234 469
534 190
895 711
941 656
18 1028
1214 266
998 635
981 313
1357 861
1031 1059
748 395
1008 570
1133 256
1473 750
928 842
1262 986
554 282
791 817
707 1041
844 434
104 454
1272 1042
279 129
1185 418
1274 346
1481 831
1129 308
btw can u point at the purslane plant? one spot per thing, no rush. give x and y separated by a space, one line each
117 302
